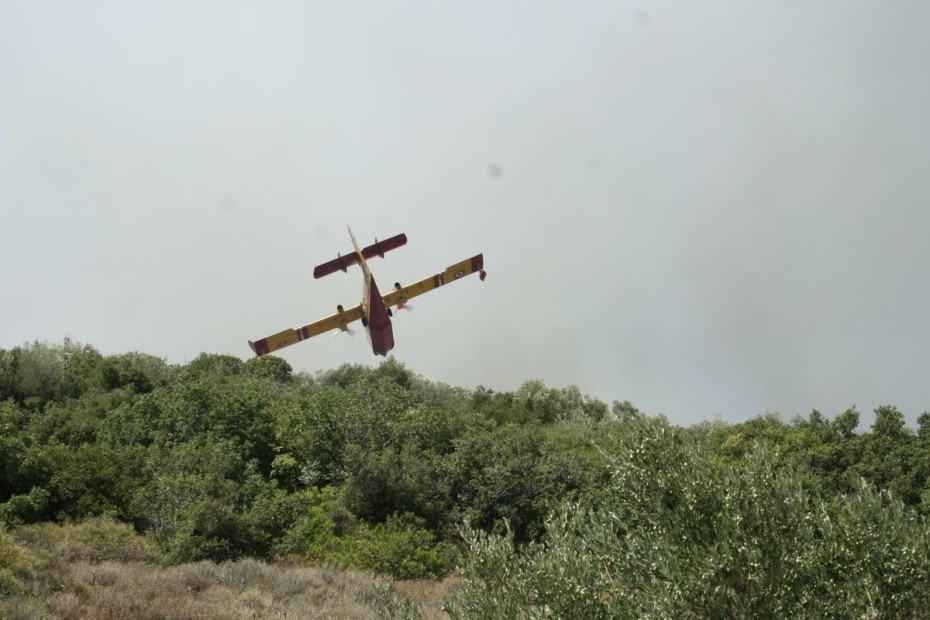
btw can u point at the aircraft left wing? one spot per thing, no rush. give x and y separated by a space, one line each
402 294
340 320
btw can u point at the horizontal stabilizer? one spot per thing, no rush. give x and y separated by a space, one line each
342 263
378 248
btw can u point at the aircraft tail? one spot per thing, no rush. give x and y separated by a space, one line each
342 263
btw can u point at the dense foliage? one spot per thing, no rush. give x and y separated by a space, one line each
680 534
559 502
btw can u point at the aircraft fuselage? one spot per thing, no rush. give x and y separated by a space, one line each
380 330
378 321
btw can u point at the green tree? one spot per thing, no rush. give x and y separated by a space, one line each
499 406
138 371
888 459
213 399
269 367
395 372
94 479
846 423
9 373
194 501
501 475
345 375
13 444
310 439
40 374
680 534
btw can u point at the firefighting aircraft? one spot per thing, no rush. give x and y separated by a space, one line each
375 309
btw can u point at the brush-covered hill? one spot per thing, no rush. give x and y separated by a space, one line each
548 501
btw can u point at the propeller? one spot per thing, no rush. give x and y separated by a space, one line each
337 332
407 307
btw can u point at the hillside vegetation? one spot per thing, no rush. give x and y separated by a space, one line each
543 502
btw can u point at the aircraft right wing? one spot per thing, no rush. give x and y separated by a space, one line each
402 294
340 320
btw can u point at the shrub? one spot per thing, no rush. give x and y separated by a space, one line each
14 566
95 540
27 508
679 536
401 547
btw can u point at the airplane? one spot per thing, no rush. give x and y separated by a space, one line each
374 311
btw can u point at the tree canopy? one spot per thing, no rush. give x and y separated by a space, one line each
547 499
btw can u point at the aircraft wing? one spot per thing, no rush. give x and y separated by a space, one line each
401 295
340 320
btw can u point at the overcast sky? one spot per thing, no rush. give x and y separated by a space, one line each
706 208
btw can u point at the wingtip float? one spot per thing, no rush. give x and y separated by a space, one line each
374 311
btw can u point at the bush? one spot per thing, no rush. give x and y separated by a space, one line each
679 536
401 547
96 540
14 566
28 508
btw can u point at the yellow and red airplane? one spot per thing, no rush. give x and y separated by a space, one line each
375 309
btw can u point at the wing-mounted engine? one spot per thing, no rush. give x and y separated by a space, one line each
401 301
401 295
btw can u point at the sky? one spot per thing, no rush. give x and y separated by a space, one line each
715 208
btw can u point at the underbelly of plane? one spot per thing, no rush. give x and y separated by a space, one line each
382 339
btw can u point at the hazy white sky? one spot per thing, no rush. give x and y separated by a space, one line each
715 207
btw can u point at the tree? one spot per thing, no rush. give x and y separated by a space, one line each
345 375
394 371
681 535
212 364
94 479
9 371
40 375
500 475
269 367
138 371
887 456
192 506
846 423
